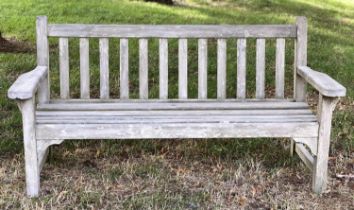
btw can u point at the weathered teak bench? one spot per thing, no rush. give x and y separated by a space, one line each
49 121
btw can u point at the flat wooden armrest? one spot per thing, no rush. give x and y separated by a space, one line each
26 84
321 82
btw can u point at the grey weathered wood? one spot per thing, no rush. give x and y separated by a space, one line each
305 156
143 69
64 68
163 68
104 68
202 68
147 120
241 68
43 57
154 100
221 69
182 68
292 147
30 146
100 113
84 68
319 107
300 58
124 68
280 68
311 143
26 85
321 82
172 31
174 105
319 177
42 150
260 68
178 130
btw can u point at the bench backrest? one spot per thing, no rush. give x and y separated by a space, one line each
143 33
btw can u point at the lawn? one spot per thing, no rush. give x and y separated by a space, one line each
178 174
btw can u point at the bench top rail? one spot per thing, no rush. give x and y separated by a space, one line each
172 31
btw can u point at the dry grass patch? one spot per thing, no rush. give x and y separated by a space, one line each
165 175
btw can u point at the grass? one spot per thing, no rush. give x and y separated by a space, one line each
178 174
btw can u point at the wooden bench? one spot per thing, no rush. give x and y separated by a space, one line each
49 120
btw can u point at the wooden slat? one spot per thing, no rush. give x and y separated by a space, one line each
182 68
143 69
84 68
202 68
279 68
43 57
124 69
173 106
177 130
300 58
239 112
241 68
64 68
221 69
104 68
260 68
163 52
137 119
170 100
172 31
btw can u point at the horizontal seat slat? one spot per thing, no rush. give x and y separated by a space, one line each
174 112
173 119
172 31
174 106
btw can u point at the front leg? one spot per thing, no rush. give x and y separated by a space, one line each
27 108
326 106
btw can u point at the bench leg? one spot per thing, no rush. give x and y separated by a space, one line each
325 109
292 147
30 147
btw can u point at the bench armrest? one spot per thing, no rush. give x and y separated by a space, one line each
27 84
323 83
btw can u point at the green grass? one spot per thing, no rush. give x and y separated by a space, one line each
330 49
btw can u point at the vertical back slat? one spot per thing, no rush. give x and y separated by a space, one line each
241 68
202 68
104 68
182 68
279 68
64 67
163 52
260 68
84 68
221 69
300 58
143 69
124 69
43 57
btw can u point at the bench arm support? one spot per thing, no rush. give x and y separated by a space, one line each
27 84
323 83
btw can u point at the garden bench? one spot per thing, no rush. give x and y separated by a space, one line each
48 121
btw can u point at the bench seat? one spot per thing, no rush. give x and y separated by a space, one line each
75 120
